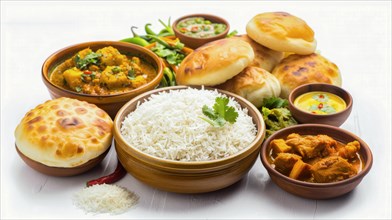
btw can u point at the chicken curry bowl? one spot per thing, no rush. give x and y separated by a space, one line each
315 158
105 71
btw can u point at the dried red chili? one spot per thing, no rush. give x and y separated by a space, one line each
118 174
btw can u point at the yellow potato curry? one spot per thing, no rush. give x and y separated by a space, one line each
103 72
315 158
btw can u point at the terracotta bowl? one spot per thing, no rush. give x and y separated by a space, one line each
335 119
109 103
194 42
317 190
62 171
186 177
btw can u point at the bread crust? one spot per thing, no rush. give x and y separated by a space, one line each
296 70
254 84
264 57
215 62
282 31
64 132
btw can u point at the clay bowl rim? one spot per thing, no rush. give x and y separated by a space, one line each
184 165
63 171
64 52
291 99
211 17
297 128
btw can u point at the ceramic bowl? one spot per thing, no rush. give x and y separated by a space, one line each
186 177
62 171
194 42
335 119
317 190
109 103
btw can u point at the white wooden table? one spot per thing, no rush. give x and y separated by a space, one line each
354 35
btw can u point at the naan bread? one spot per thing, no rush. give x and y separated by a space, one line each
64 132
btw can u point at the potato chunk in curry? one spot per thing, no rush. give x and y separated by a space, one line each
103 72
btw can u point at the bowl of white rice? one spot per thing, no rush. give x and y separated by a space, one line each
162 140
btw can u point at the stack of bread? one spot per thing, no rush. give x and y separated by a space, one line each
275 56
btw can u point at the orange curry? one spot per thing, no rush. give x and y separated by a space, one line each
103 72
315 158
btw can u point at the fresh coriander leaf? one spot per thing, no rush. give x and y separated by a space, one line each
219 106
207 111
231 115
91 58
275 102
78 89
219 113
131 74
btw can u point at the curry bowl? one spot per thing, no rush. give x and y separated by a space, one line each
62 171
109 102
186 176
193 38
321 104
327 179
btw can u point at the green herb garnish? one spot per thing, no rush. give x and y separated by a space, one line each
276 115
220 113
91 58
275 102
116 69
78 89
172 55
131 74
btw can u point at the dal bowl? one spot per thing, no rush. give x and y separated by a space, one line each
313 190
187 176
194 41
335 119
110 103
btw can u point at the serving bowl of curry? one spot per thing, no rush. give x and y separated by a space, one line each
105 73
316 161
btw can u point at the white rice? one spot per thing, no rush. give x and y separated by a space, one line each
105 198
168 126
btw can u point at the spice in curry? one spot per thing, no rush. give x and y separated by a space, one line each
103 72
315 158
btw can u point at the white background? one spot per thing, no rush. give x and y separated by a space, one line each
354 35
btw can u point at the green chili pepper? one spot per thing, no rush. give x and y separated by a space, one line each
159 40
231 34
136 40
167 26
170 76
148 30
163 82
133 32
164 34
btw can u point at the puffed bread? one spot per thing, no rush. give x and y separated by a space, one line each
282 31
64 132
296 70
254 84
215 62
264 57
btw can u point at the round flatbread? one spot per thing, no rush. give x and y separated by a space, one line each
64 132
215 62
296 70
282 31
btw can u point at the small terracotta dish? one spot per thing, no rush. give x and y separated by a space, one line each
184 176
312 190
109 103
335 119
195 42
62 171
